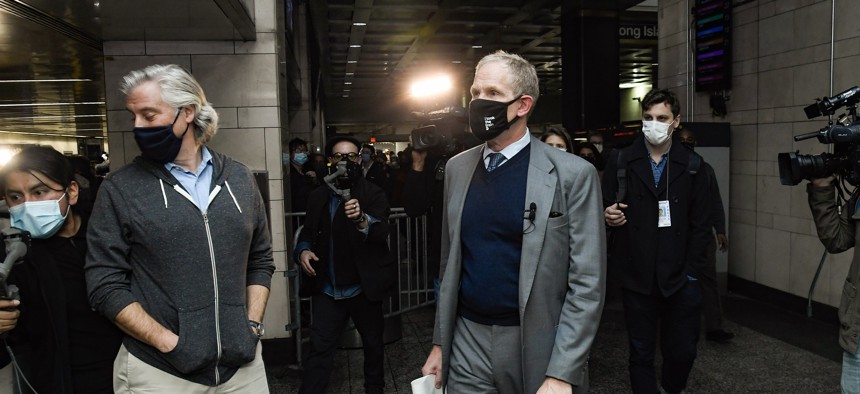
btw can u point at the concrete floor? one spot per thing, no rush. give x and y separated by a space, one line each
751 363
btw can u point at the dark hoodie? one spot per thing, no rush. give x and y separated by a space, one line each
149 243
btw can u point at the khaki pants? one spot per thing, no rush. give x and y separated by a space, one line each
6 381
131 375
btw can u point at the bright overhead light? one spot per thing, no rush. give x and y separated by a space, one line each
477 46
44 80
54 117
54 134
350 73
51 104
359 24
628 85
347 83
355 46
432 86
352 61
6 155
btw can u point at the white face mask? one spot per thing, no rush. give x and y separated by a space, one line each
599 146
561 149
655 132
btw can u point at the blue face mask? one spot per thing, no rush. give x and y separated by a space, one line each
300 158
365 157
159 143
41 218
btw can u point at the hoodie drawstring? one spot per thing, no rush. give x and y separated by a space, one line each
163 194
234 197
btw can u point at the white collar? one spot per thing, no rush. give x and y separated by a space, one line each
512 149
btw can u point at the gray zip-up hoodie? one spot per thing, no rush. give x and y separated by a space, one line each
149 243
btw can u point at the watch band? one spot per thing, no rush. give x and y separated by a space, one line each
259 328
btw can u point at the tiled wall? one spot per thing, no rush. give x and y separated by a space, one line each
241 80
781 63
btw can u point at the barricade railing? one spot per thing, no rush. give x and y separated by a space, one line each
407 241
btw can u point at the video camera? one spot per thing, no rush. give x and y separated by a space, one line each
444 132
341 176
845 135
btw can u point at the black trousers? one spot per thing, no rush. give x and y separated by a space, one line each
676 320
330 317
712 308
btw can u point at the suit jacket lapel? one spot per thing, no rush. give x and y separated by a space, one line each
540 189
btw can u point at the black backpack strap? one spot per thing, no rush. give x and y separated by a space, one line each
621 174
695 163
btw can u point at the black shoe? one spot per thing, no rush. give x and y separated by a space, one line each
720 336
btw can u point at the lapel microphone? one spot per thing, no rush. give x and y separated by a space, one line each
531 217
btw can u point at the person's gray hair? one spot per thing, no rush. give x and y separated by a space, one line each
178 89
523 76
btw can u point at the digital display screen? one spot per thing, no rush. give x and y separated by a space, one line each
713 55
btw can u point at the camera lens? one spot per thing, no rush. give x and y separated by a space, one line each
794 168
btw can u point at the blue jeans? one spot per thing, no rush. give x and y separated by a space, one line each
850 373
677 319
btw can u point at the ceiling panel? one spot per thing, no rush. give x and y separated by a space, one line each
50 83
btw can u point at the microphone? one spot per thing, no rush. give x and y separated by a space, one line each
532 212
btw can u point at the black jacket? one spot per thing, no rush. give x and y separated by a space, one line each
56 320
646 256
370 253
378 176
423 194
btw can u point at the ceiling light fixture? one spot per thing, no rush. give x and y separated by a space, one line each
53 135
44 80
51 104
352 61
355 46
359 24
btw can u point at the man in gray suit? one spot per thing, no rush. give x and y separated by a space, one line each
523 250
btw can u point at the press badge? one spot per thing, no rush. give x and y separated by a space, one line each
664 218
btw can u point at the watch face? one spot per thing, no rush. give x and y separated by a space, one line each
258 328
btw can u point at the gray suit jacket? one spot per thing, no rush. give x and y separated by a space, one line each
562 268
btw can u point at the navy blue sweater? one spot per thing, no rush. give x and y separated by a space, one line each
491 236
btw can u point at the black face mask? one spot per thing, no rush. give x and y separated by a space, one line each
689 145
158 143
488 119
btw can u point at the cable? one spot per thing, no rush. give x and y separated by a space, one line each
19 375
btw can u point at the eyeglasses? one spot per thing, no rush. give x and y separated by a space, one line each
340 156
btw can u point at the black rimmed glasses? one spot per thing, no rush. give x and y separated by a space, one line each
341 156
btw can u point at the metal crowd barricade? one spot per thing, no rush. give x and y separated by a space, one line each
415 286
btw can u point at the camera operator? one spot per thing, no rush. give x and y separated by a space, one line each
422 194
839 232
61 345
343 252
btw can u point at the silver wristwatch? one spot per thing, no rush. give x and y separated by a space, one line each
259 328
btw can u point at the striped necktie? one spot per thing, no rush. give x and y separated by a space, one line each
495 160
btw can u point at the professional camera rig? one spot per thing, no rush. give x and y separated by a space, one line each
844 162
17 243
